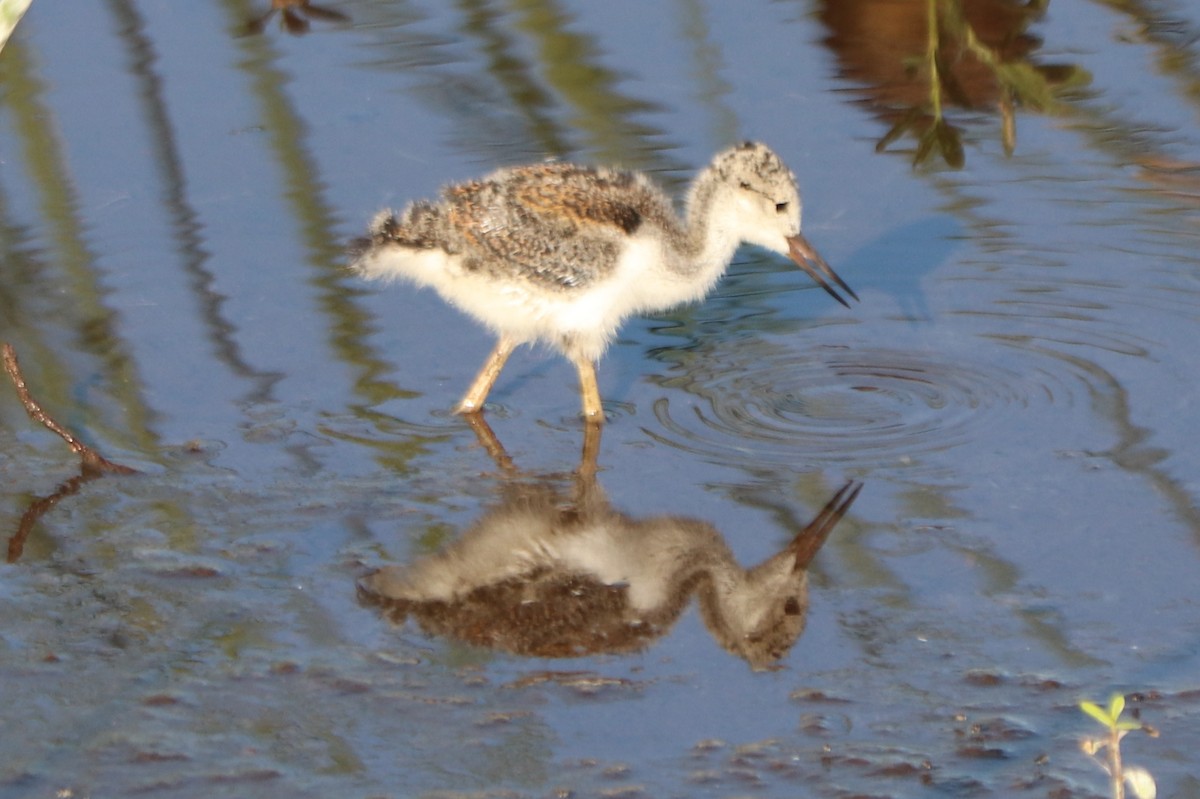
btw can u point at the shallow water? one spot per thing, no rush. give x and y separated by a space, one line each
1016 389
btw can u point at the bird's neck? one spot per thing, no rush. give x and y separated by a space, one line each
695 251
708 240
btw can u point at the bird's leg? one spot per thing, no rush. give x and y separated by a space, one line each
472 401
590 453
589 390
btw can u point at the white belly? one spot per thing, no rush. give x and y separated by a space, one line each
581 319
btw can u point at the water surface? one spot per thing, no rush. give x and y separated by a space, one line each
1016 389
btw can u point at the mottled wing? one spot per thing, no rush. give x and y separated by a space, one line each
554 225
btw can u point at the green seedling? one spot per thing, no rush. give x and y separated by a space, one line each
1139 780
10 14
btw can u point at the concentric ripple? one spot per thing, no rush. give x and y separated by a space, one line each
759 403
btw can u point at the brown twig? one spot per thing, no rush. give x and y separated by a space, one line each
92 460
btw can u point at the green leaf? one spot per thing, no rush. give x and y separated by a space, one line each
1008 122
1096 712
1116 706
1064 76
1026 84
925 146
897 130
1129 725
950 143
10 15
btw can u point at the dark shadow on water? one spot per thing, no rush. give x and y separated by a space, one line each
554 571
899 260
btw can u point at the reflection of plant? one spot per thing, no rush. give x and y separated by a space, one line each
1139 780
951 38
294 16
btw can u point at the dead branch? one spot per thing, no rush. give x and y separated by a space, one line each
92 460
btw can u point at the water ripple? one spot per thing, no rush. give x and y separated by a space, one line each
764 404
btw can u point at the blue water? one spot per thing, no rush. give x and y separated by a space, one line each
1017 390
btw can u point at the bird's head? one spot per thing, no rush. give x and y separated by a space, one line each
763 208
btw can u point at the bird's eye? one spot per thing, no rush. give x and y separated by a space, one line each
781 208
791 607
744 186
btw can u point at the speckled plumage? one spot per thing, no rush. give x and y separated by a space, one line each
563 253
557 226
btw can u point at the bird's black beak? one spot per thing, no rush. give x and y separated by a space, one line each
808 259
806 543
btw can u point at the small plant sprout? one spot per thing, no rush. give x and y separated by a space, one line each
1141 784
10 14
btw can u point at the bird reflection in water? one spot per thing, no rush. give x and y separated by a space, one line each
549 572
